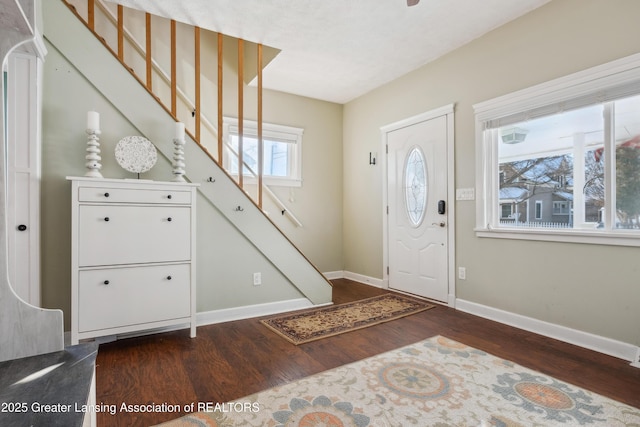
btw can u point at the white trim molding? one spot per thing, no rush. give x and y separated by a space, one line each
587 340
219 316
331 275
361 278
605 83
449 112
250 311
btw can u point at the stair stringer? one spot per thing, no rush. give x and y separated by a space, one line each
71 37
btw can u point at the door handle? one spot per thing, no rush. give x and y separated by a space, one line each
440 224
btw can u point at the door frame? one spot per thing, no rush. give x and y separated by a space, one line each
447 111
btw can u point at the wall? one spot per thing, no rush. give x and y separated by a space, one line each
590 288
225 260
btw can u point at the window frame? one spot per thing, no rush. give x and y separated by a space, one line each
606 82
561 207
292 135
538 210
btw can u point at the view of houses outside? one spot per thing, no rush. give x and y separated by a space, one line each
553 169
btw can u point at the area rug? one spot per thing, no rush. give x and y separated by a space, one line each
328 321
437 382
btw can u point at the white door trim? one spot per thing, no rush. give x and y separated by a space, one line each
447 111
23 174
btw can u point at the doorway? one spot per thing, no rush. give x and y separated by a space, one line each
419 215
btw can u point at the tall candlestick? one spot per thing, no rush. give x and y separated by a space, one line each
180 130
178 154
93 154
93 120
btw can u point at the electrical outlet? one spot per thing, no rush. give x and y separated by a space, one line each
462 273
257 279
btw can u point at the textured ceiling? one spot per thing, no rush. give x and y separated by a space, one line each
337 50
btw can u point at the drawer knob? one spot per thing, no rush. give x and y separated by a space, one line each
169 219
168 277
106 194
106 282
106 218
169 197
22 227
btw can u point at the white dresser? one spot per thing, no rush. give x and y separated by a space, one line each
132 256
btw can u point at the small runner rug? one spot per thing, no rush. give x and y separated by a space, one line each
300 328
436 382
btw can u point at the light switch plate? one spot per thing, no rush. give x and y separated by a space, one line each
465 194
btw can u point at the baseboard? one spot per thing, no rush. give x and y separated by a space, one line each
636 360
219 316
249 311
331 275
587 340
378 283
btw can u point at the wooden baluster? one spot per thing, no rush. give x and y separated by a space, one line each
121 33
148 57
240 113
196 36
174 105
220 63
91 14
260 141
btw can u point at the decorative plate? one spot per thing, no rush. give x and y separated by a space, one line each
136 154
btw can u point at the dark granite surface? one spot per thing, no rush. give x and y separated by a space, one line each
49 398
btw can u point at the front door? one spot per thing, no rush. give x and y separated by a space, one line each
417 208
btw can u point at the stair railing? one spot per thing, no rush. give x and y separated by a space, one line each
178 97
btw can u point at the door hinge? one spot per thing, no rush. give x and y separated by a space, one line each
387 209
387 270
387 148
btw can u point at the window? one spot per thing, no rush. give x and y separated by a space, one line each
572 144
538 214
506 210
282 152
561 208
415 186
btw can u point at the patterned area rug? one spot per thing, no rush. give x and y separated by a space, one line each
325 322
437 382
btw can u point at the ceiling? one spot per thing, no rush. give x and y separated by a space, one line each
337 50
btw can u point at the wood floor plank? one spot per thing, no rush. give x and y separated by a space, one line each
230 360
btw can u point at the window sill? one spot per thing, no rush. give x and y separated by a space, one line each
612 238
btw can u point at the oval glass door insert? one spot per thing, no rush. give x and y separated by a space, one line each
415 186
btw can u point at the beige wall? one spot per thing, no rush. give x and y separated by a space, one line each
226 260
592 288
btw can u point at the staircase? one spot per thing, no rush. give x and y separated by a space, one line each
140 100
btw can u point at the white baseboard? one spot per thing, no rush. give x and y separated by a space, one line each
597 343
378 283
331 275
220 316
636 360
249 311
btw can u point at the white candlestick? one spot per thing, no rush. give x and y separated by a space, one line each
93 154
180 131
93 120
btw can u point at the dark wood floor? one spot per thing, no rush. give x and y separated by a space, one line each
230 360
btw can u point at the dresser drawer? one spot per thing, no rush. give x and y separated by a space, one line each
117 297
119 234
132 195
